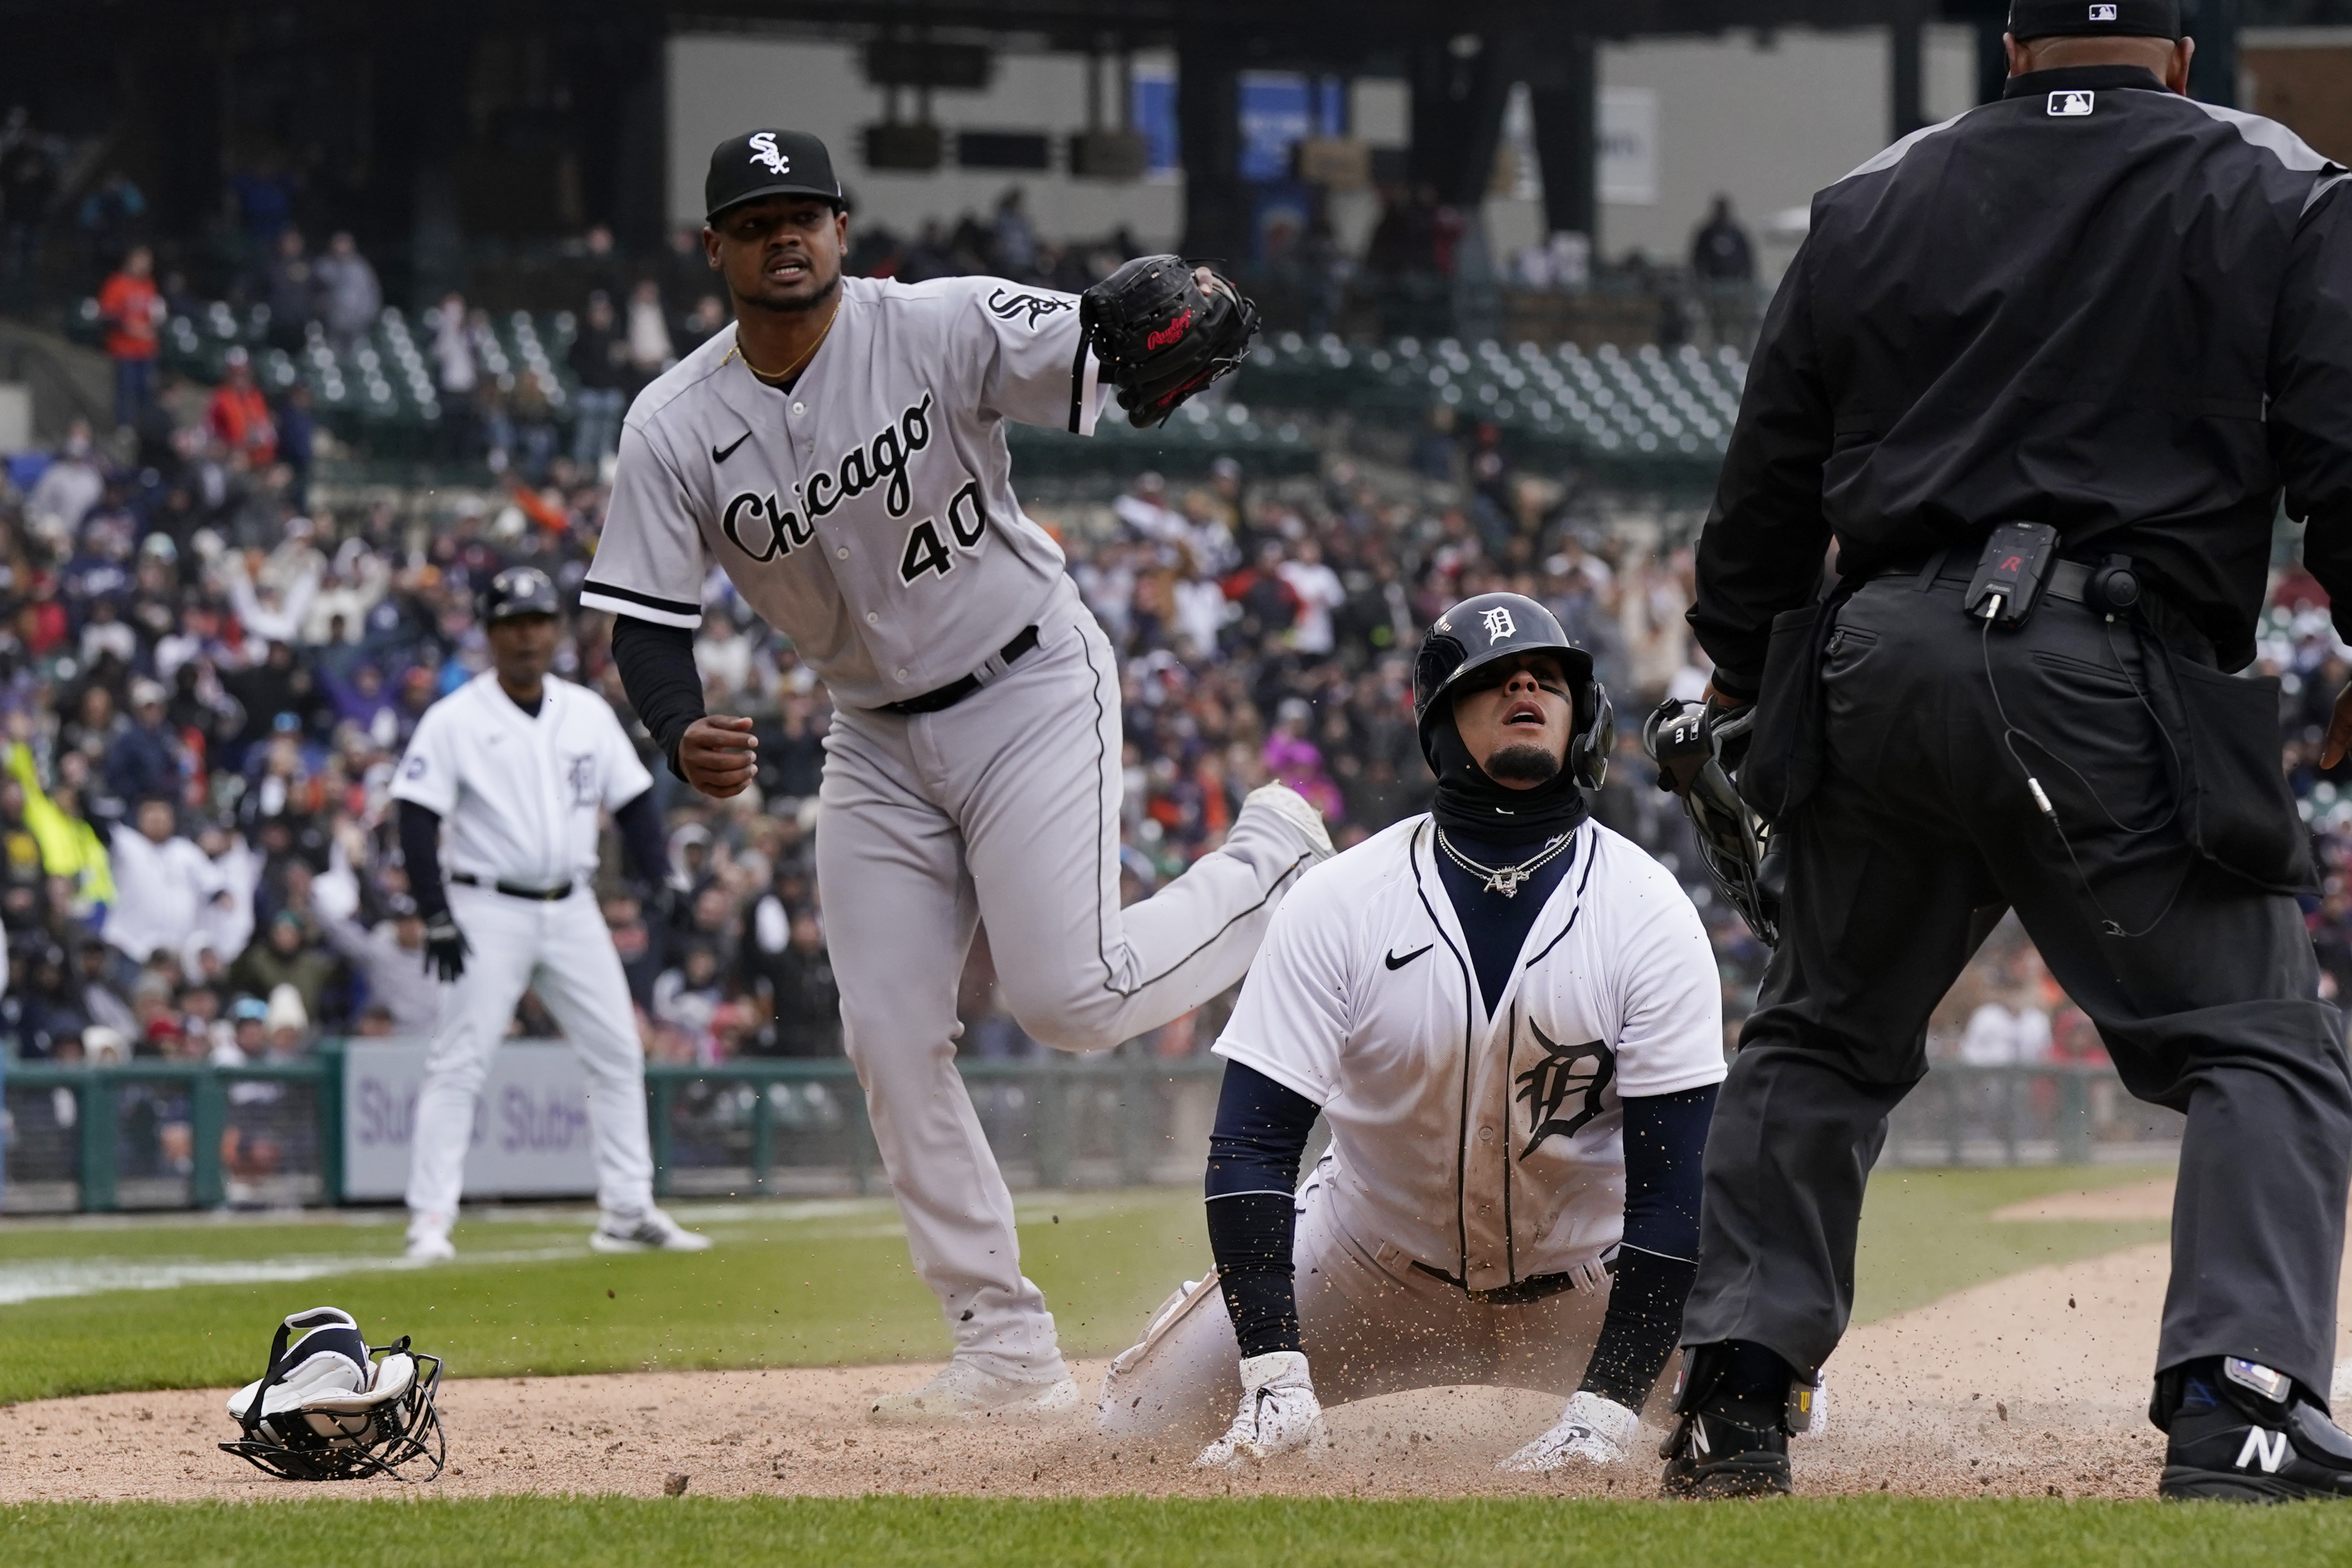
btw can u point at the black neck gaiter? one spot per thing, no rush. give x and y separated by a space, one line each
1470 803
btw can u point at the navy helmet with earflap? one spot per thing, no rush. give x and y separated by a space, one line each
1489 628
518 591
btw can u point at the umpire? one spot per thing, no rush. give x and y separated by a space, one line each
2039 373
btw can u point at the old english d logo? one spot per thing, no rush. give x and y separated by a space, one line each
1578 1073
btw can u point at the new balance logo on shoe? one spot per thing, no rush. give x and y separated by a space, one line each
2264 1447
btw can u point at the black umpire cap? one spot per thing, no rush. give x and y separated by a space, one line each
2094 19
518 591
768 163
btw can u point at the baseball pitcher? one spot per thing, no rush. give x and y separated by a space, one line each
1511 1018
841 455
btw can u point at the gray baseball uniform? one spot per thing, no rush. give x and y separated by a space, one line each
868 514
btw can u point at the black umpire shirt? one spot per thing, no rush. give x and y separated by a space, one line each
2093 304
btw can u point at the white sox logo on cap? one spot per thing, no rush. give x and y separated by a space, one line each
763 150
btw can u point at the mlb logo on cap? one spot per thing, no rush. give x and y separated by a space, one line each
2103 13
2069 103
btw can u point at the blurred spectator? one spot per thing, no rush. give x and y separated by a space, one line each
1719 250
291 286
785 966
67 488
351 297
704 321
238 415
599 359
289 954
163 883
648 349
134 311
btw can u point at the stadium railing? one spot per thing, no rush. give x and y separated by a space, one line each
148 1134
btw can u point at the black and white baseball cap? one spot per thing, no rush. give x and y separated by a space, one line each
768 163
2031 19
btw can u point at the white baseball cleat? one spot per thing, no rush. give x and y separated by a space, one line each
1592 1431
1293 807
652 1231
961 1393
1279 1413
429 1244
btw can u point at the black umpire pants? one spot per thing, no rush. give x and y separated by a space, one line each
1921 829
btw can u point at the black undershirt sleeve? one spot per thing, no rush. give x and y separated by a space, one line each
658 671
1254 1156
640 827
1666 1135
420 852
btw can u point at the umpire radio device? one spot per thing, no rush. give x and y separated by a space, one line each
2009 576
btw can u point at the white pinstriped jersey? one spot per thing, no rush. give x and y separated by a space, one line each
868 513
1487 1148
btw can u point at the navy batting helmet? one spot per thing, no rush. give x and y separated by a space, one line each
1492 627
518 591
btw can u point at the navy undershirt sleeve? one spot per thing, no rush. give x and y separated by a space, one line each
1255 1152
640 827
1665 1137
420 856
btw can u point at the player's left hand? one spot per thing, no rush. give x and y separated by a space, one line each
1280 1412
446 951
1593 1432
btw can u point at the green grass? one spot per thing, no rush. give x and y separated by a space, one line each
787 1285
782 1288
1243 1533
1927 1233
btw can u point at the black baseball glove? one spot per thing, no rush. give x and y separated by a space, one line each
1161 334
446 951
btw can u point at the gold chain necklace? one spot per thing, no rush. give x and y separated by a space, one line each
797 365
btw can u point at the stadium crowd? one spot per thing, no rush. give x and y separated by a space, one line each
209 665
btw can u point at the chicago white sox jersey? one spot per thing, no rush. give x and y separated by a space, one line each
1487 1148
519 795
868 513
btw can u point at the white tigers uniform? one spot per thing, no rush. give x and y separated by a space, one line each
868 514
1471 1151
520 800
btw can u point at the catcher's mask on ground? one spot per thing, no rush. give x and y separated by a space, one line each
326 1409
1483 631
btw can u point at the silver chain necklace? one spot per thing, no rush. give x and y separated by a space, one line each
1507 880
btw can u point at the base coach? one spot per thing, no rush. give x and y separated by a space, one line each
2041 374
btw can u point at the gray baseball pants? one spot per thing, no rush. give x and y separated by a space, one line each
1005 808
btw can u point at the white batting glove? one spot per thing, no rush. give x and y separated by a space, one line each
1592 1431
1280 1412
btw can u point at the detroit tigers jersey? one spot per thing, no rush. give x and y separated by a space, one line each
868 513
1487 1148
519 795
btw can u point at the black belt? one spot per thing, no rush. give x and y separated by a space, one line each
543 894
955 692
2068 579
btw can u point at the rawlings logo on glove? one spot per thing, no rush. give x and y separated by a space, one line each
1163 331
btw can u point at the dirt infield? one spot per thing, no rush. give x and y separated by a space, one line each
2030 1383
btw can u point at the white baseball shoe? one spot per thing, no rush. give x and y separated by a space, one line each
652 1231
428 1242
1592 1431
1279 1413
961 1393
1292 808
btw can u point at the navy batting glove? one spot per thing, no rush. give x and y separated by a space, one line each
446 951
